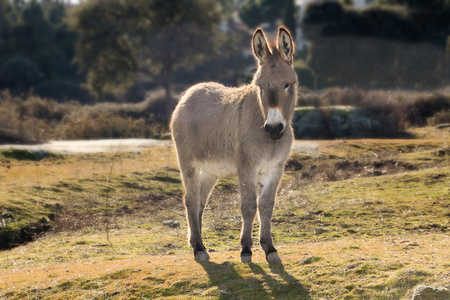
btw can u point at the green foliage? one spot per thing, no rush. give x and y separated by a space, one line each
20 154
20 72
290 16
35 44
379 46
120 39
426 4
226 66
307 79
256 12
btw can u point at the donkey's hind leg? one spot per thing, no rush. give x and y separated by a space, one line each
207 182
194 200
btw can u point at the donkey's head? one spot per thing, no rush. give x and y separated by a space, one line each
276 80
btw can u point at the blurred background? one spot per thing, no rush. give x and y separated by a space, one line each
93 69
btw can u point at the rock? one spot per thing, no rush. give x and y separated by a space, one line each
172 224
334 122
423 292
442 126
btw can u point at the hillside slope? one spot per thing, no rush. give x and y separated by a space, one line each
366 219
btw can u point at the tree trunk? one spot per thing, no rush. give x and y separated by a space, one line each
165 75
170 105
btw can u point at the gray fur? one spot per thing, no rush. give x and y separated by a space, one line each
220 131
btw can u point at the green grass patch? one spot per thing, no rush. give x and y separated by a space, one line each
33 155
343 232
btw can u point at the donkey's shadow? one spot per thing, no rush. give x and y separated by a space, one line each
231 285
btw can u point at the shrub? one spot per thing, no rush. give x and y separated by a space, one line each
10 136
136 93
304 74
44 109
395 110
17 125
62 91
20 72
30 119
104 125
156 103
441 117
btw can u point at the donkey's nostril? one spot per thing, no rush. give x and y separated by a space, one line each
279 128
275 131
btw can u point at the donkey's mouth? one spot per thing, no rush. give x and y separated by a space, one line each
274 131
276 136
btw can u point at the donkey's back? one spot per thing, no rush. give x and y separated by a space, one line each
206 125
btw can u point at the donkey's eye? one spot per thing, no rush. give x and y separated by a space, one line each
261 92
286 87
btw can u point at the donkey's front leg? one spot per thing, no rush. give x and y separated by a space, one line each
247 190
269 184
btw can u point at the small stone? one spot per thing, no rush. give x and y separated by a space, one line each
423 292
172 224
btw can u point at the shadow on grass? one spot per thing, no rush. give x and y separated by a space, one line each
233 285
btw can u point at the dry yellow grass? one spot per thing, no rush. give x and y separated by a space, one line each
342 267
383 254
28 173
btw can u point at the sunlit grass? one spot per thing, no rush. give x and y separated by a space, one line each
340 236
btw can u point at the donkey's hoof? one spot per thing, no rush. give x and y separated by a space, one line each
273 258
246 258
201 256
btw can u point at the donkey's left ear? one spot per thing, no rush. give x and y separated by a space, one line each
285 45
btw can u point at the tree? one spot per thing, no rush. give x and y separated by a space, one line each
272 10
35 40
425 4
290 16
378 47
20 72
250 13
120 39
256 12
183 35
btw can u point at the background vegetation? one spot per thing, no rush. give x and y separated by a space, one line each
357 219
354 219
59 61
380 46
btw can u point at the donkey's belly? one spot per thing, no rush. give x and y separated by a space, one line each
218 168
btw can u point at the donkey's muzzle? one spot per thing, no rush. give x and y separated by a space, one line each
275 131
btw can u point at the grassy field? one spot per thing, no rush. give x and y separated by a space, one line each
367 219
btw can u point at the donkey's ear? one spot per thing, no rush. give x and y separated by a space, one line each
260 46
285 45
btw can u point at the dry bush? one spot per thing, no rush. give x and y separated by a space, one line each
103 125
32 119
307 97
156 103
396 110
442 117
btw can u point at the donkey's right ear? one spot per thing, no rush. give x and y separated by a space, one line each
260 46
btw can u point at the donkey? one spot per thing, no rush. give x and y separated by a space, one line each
245 131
